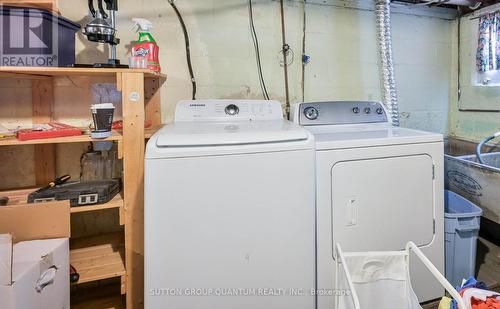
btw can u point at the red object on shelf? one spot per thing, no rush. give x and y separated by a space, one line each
48 130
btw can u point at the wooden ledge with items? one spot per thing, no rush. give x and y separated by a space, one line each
60 133
47 72
98 187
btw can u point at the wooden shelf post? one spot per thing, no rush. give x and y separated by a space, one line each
132 87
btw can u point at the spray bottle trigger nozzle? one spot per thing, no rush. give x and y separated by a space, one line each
142 24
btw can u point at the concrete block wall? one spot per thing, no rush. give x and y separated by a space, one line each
340 41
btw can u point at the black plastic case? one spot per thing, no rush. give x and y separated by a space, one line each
79 193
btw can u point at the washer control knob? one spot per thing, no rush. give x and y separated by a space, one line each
311 113
368 110
355 110
380 111
232 110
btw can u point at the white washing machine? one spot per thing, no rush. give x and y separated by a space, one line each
230 209
378 187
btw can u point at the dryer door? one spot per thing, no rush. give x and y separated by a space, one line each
381 204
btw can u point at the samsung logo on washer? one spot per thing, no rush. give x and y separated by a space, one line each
197 105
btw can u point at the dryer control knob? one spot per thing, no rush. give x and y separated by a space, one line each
232 110
368 110
380 111
355 110
311 113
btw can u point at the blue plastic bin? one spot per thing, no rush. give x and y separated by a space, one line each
462 219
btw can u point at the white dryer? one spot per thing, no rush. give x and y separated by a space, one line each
230 209
378 187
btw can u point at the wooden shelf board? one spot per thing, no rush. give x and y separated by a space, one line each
17 197
43 4
20 197
84 293
116 136
116 202
111 302
56 71
98 257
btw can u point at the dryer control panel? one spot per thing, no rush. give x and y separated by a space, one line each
228 110
340 112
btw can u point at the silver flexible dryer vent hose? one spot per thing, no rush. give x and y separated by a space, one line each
389 93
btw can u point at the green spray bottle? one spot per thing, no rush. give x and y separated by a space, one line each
146 45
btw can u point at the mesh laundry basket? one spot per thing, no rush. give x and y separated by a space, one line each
381 279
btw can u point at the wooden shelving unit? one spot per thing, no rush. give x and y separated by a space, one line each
110 255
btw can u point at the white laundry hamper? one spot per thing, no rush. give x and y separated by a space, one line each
381 280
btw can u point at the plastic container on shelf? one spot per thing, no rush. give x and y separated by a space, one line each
92 166
100 165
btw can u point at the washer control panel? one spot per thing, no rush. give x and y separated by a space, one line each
340 112
228 110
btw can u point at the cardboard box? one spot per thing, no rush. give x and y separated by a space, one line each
39 277
5 259
36 221
34 273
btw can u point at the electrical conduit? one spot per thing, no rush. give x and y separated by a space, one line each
389 93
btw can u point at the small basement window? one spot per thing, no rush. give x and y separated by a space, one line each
488 50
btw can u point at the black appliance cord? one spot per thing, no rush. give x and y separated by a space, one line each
188 49
257 51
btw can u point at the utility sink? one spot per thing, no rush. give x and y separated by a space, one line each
479 183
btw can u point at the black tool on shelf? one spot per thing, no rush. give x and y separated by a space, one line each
79 193
55 182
